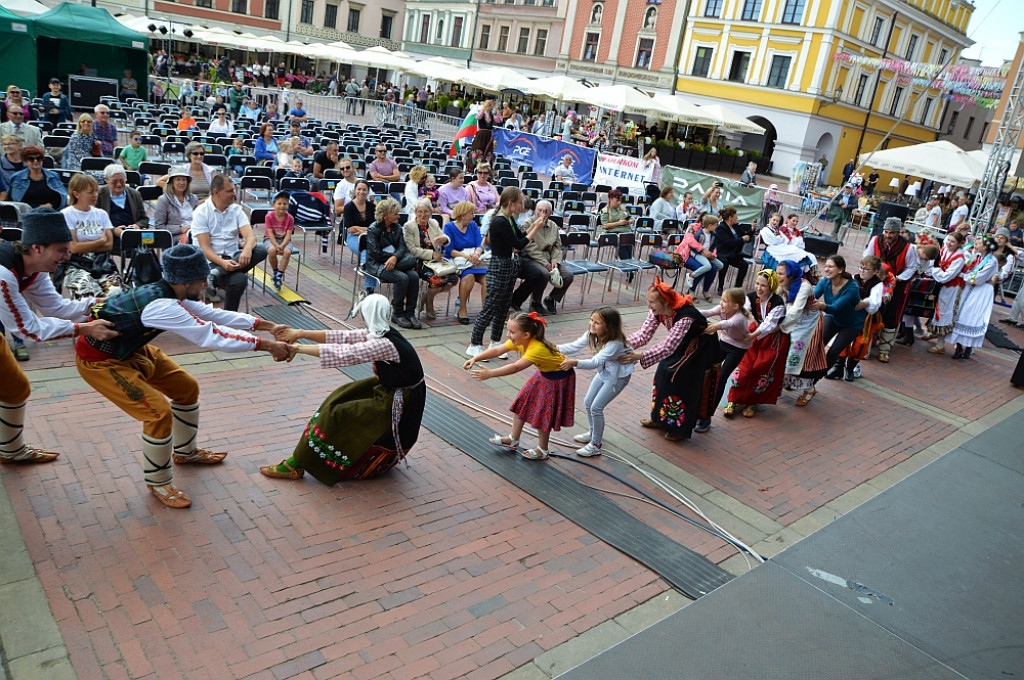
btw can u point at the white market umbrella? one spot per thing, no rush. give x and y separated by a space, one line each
942 161
621 98
731 120
383 57
559 88
675 109
497 79
439 68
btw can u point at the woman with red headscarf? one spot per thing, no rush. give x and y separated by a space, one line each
688 362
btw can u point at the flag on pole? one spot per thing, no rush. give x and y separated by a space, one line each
468 129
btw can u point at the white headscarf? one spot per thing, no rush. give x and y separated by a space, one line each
376 312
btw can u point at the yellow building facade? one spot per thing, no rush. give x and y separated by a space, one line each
774 61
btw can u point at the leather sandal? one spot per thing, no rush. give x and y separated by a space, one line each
289 473
749 411
170 495
200 457
936 350
805 398
729 410
505 442
33 456
535 454
647 422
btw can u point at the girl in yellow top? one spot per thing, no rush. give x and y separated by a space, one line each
548 399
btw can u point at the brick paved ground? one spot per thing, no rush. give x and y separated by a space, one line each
441 569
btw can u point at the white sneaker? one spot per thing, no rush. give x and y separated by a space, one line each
582 438
588 451
474 350
498 344
856 371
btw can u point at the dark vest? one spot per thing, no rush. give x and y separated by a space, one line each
407 372
774 300
13 261
125 311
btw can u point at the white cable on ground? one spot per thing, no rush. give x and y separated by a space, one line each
503 418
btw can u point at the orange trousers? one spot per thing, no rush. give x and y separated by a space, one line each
14 385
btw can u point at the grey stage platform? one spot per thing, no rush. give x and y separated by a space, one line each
945 546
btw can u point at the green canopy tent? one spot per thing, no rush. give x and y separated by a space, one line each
17 51
71 35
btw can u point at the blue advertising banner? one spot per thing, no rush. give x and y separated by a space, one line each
543 153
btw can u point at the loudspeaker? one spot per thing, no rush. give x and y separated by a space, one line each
85 93
821 246
886 210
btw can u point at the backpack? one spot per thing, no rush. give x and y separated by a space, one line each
309 208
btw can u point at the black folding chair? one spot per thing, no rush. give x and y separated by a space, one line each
132 240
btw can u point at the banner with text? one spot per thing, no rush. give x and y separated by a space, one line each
620 171
746 200
543 153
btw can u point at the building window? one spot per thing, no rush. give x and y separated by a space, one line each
331 16
240 6
485 37
793 13
306 13
503 39
529 2
897 96
387 22
424 29
943 55
740 64
911 48
208 4
524 41
270 9
644 51
926 111
779 71
984 131
353 20
590 46
541 44
876 30
702 62
713 8
858 95
457 31
751 10
952 122
970 124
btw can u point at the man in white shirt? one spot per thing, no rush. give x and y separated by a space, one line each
960 213
25 267
139 378
16 125
218 225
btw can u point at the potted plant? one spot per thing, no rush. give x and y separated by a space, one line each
698 156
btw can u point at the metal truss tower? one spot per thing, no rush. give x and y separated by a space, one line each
1007 137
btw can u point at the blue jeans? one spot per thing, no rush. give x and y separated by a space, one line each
703 268
352 242
600 394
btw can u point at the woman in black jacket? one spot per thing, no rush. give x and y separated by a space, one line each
731 238
388 258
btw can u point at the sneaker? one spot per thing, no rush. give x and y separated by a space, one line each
504 355
589 450
582 438
551 306
702 426
856 371
21 353
474 350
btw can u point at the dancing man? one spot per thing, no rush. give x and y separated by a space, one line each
137 377
902 258
25 266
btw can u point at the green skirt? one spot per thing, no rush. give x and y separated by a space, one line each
351 435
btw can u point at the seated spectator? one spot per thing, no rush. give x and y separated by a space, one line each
305 146
482 193
175 206
16 125
453 192
36 185
133 155
298 114
540 264
565 171
123 204
325 159
104 131
90 271
426 241
81 145
699 253
186 121
15 97
388 258
252 112
129 86
413 184
466 244
266 146
662 209
10 161
221 125
217 226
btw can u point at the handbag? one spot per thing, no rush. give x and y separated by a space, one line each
145 267
441 267
665 259
747 251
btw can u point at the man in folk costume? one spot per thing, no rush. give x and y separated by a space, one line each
138 378
25 266
902 258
